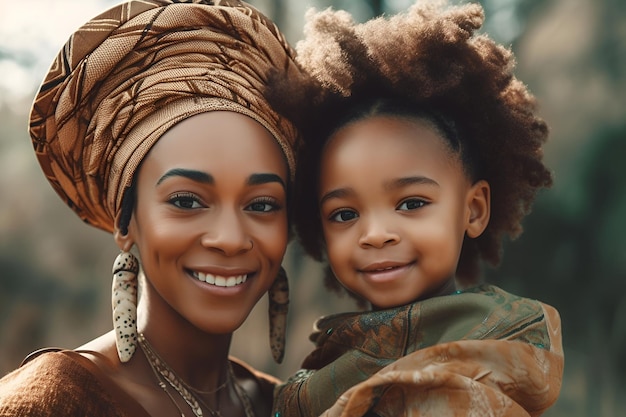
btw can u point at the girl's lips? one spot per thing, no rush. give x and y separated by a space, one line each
383 266
385 272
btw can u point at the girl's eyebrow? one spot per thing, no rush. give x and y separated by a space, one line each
336 193
194 175
404 181
390 185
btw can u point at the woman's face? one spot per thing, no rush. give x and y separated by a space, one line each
210 221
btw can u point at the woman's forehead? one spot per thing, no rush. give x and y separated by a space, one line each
218 141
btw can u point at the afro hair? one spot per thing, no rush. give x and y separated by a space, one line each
433 57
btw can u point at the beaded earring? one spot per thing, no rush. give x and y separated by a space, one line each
278 307
124 303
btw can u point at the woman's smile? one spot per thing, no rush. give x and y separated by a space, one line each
221 286
221 276
220 280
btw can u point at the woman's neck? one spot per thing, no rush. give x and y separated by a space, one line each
200 359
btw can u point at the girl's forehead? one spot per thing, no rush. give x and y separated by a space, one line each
389 135
388 147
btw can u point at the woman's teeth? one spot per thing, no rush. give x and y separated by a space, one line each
220 281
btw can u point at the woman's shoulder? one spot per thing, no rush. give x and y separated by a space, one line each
44 368
52 382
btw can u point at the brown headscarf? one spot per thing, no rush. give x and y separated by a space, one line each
128 75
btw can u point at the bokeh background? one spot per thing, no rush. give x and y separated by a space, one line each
55 271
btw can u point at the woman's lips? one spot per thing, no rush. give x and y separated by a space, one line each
219 280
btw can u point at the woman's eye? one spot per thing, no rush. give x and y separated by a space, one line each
342 216
263 206
412 204
185 201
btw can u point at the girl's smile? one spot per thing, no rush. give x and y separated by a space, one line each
386 272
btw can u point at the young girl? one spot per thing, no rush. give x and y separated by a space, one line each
422 150
152 125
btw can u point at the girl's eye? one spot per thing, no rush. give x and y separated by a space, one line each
185 201
263 205
343 215
411 204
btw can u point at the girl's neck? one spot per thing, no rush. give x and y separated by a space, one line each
446 288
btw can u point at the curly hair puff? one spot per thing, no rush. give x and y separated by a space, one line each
431 58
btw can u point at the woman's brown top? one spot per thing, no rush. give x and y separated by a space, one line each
56 382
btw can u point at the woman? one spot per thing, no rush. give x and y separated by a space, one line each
152 124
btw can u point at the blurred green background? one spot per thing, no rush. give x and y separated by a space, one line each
55 271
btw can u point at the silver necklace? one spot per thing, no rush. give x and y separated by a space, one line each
164 373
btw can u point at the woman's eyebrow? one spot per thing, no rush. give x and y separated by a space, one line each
194 175
257 179
206 178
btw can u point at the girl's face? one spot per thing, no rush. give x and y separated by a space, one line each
395 207
210 221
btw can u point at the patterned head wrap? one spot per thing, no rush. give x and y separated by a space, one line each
128 75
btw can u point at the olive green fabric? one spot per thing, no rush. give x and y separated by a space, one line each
352 347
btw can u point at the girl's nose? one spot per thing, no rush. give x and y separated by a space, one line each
377 233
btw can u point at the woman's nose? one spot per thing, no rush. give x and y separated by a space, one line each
227 233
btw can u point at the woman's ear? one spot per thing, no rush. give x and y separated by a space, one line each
124 241
479 205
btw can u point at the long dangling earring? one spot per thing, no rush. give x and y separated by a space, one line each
124 301
278 306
